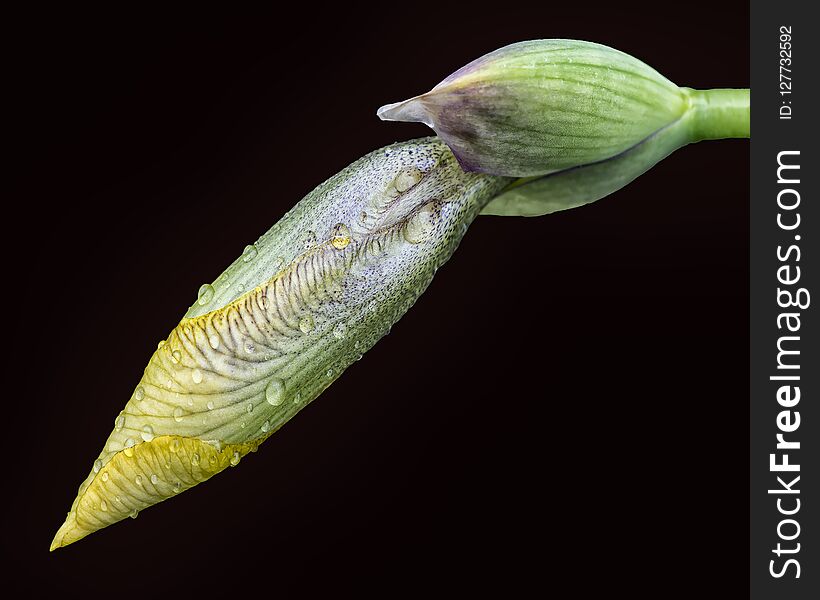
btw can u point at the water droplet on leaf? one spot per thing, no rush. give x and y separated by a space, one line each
206 294
249 253
147 433
406 179
275 392
340 236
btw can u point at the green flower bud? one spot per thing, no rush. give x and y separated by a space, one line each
540 106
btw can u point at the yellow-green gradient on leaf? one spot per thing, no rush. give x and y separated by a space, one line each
280 325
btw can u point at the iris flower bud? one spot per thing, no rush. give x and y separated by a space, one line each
280 325
540 106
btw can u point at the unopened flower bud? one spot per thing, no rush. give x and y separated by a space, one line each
535 107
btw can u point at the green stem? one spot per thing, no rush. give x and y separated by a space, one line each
718 114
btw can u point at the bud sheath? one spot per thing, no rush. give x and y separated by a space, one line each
540 106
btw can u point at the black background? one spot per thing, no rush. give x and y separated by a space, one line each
565 406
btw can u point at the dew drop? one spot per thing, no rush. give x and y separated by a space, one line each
297 399
210 405
329 373
160 344
249 409
206 294
178 413
147 433
250 347
196 376
340 331
103 506
195 459
341 236
419 227
278 263
266 426
138 480
406 179
119 423
176 357
235 459
134 513
97 465
306 324
249 253
213 340
104 476
176 445
275 392
177 487
154 479
363 217
139 394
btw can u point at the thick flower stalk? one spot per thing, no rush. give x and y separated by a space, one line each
542 106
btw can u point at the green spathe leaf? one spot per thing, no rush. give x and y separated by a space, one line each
540 106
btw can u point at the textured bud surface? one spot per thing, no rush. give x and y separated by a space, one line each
281 324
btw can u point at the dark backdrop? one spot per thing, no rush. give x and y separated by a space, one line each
584 426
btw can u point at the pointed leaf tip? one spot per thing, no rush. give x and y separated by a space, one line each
409 111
